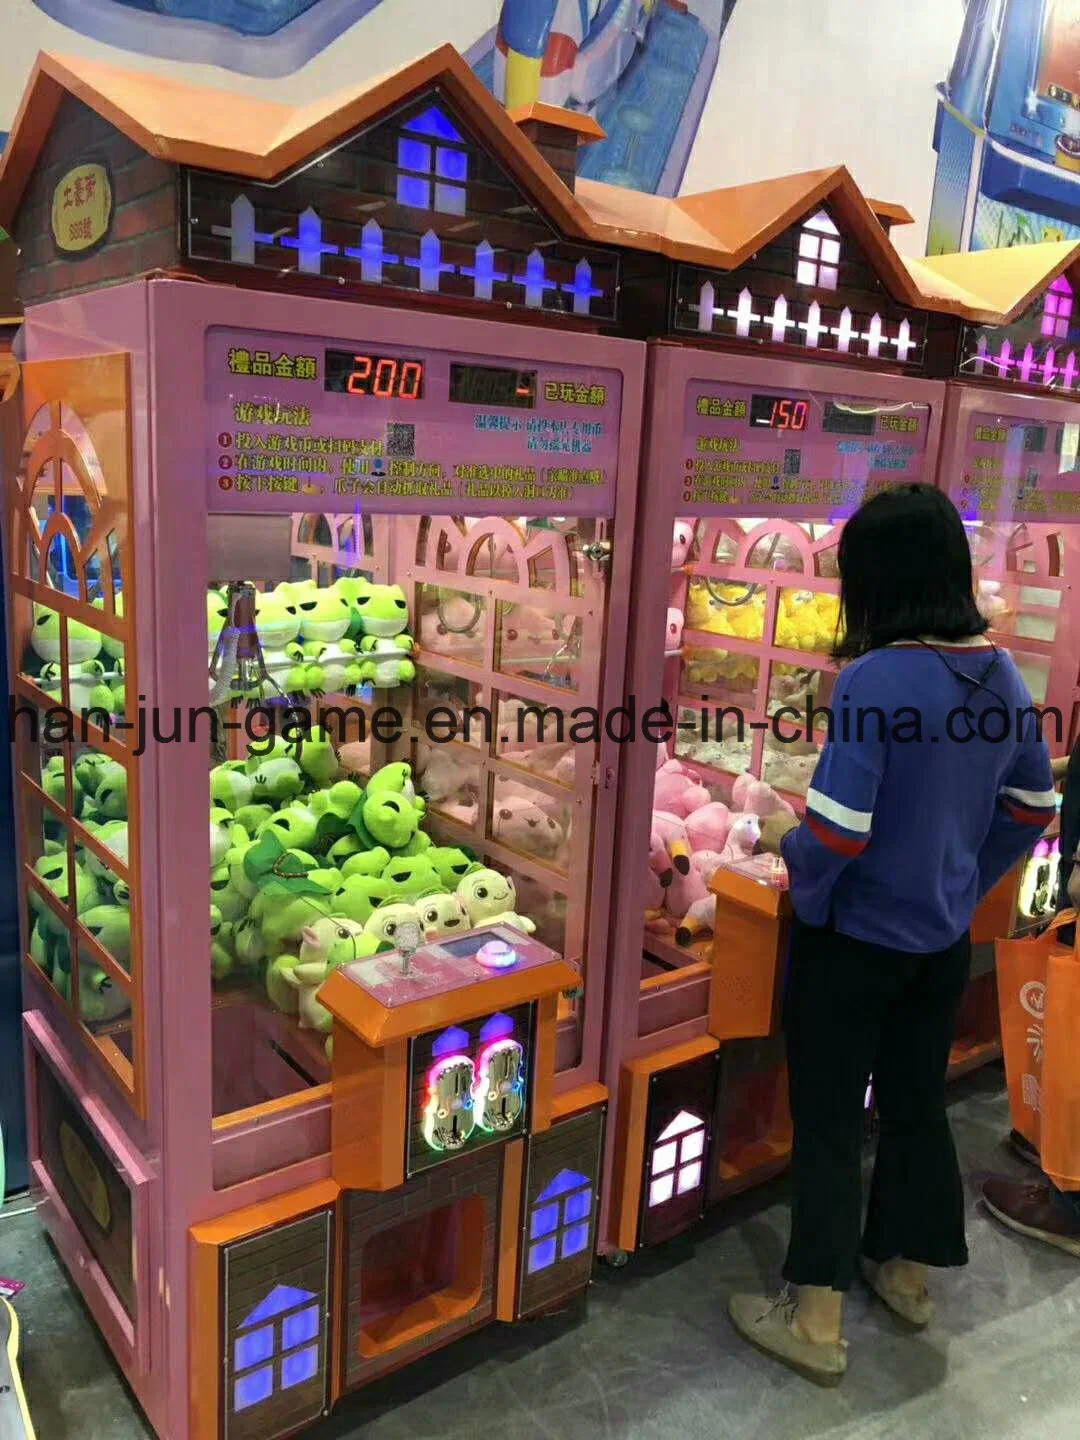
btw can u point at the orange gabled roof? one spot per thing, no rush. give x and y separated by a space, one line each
994 287
723 228
188 124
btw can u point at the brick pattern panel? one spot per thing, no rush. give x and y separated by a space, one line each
369 1215
295 1255
572 1145
143 232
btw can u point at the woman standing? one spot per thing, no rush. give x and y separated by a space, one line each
932 783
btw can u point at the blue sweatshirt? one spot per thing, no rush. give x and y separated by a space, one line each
911 821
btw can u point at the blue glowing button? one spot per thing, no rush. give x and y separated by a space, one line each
497 955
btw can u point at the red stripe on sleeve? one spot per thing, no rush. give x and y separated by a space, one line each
1026 816
841 844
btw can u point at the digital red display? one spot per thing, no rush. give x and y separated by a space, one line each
388 377
779 412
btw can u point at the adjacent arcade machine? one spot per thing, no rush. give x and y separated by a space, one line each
1007 129
1009 459
313 1013
787 388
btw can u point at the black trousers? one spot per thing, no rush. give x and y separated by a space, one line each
853 1010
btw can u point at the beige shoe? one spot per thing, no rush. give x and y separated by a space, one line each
766 1324
915 1310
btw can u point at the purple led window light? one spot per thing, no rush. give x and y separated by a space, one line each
577 1206
414 155
253 1348
451 164
279 1300
542 1255
422 164
1057 309
300 1366
295 1329
545 1218
414 192
575 1240
253 1389
434 122
308 243
565 1180
449 199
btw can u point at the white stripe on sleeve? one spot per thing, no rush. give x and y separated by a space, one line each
857 820
1037 799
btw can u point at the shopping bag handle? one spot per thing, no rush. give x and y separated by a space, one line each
1064 917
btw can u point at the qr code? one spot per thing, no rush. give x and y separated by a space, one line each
792 462
400 441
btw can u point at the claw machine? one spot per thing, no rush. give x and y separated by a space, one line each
1009 459
786 383
314 909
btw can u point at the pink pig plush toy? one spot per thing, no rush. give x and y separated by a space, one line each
673 633
676 792
757 797
708 826
681 539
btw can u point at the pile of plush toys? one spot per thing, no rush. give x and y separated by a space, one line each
329 639
692 835
95 662
310 870
531 641
102 900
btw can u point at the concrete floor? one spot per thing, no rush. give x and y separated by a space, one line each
654 1356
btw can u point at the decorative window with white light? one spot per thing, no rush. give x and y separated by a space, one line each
1057 310
819 253
433 164
560 1220
677 1165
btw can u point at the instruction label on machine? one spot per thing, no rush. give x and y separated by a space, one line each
796 453
1019 470
297 423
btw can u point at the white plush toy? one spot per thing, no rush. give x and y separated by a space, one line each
489 898
522 825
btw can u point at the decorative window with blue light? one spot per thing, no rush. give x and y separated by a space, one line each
560 1222
433 164
277 1347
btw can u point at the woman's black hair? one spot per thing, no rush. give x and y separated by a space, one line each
905 572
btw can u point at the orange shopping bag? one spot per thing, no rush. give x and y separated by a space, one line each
1022 969
1059 1113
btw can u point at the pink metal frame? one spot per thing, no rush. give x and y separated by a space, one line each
642 1022
182 1169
